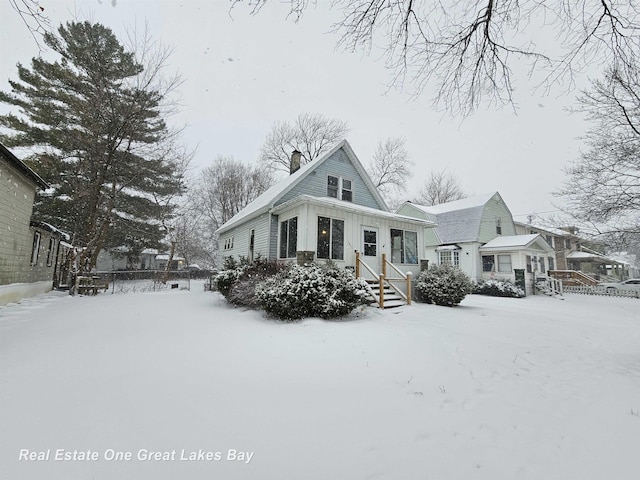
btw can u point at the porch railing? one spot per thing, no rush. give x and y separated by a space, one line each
383 280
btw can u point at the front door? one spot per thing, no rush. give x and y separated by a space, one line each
370 250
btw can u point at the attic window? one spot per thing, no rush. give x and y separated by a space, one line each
499 226
340 188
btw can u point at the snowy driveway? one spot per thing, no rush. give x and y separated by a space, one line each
175 384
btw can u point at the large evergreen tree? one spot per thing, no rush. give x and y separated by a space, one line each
94 122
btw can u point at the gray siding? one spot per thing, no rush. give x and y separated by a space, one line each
241 235
339 165
16 236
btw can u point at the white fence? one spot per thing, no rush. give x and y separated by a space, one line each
596 290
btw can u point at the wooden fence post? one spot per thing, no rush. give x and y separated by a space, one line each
357 264
382 290
409 288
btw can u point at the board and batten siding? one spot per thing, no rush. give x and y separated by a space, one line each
495 209
339 165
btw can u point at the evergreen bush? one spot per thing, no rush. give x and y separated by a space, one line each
443 285
312 290
498 288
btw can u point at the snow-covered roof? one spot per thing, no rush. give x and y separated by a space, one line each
516 242
458 221
267 200
23 167
593 257
347 206
164 256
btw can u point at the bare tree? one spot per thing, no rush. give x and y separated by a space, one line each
311 134
390 166
34 18
440 187
466 49
221 191
603 185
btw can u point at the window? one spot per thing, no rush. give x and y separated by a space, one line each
551 264
332 186
370 243
504 263
252 243
404 246
529 270
330 238
289 238
499 226
567 244
347 193
542 269
228 243
50 251
449 257
339 188
35 249
549 239
488 263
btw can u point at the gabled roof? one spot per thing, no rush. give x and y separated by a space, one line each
269 198
516 242
23 168
458 221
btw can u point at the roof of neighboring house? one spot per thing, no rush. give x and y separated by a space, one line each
516 242
349 207
458 221
267 200
594 257
22 167
553 230
50 228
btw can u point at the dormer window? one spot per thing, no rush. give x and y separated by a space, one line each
340 188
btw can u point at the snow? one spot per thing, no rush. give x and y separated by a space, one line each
497 388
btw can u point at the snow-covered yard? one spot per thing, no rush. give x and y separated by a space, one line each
533 388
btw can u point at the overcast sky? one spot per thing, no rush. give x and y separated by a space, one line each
244 72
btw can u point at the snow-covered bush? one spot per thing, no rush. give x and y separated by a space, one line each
229 275
311 290
498 288
238 280
443 285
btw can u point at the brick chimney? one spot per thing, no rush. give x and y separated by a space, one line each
294 165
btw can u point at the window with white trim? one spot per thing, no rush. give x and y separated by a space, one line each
35 248
449 257
488 263
504 263
404 246
50 251
289 238
340 188
228 244
330 238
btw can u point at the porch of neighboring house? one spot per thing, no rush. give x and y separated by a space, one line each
591 268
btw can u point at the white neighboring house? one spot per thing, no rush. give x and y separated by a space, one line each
465 227
326 210
512 256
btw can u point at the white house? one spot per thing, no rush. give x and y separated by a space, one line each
468 229
516 258
328 209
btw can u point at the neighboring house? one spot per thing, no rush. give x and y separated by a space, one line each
518 258
31 253
121 258
578 260
325 210
467 226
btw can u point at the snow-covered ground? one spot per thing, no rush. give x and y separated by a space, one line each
533 388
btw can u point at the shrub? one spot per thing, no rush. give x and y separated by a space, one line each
498 288
238 280
443 285
324 291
